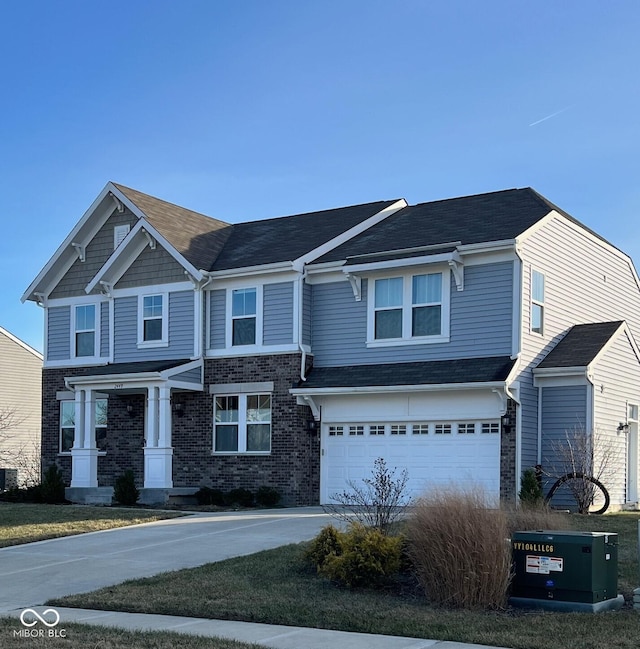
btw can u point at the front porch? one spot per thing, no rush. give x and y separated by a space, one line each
140 403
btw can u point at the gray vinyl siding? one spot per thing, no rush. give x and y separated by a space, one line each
99 249
564 413
190 376
217 308
181 329
584 282
617 379
307 298
58 333
480 322
152 267
104 329
277 314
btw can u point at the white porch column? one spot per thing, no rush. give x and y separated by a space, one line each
84 454
158 453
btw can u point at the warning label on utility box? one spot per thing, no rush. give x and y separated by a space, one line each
543 565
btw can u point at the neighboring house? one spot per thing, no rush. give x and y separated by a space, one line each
456 338
20 412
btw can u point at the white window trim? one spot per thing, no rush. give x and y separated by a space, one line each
257 346
69 397
407 305
96 334
242 423
164 341
539 303
60 451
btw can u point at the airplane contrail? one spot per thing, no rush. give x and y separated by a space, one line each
544 119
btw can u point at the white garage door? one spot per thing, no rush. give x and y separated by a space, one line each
445 453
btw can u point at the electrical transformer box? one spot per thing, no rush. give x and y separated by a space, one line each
565 566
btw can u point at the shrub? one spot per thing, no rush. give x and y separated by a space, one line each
52 486
377 502
327 543
362 556
530 488
267 496
125 491
460 550
240 497
209 496
32 494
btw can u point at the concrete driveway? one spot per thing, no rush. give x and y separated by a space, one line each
31 574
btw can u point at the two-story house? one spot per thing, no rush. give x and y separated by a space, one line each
457 338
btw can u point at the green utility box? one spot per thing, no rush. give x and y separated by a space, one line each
557 567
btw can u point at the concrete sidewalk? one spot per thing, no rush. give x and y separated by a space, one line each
268 635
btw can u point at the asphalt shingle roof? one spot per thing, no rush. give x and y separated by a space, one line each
198 238
464 370
289 237
132 368
470 219
581 345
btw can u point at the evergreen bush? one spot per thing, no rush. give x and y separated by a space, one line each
52 486
125 491
267 496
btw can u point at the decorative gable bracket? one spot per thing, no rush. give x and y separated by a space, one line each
356 285
118 202
457 268
150 239
80 249
106 288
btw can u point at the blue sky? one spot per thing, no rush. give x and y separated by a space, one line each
247 109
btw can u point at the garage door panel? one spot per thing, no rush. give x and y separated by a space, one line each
432 460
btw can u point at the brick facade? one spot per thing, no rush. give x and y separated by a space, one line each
292 467
509 485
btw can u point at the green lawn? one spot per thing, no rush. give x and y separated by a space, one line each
25 523
79 636
278 586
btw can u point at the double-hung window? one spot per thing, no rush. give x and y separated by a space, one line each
242 423
537 302
153 320
243 316
68 424
85 330
409 308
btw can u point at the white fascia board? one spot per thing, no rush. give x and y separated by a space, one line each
400 263
553 214
486 246
65 255
22 344
179 369
361 227
104 380
262 269
550 376
118 255
383 389
129 250
622 328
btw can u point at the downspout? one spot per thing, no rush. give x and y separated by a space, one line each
303 357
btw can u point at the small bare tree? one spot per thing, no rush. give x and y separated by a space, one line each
377 502
582 455
24 457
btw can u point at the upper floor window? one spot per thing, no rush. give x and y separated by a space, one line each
242 423
537 302
243 316
85 330
153 320
409 308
